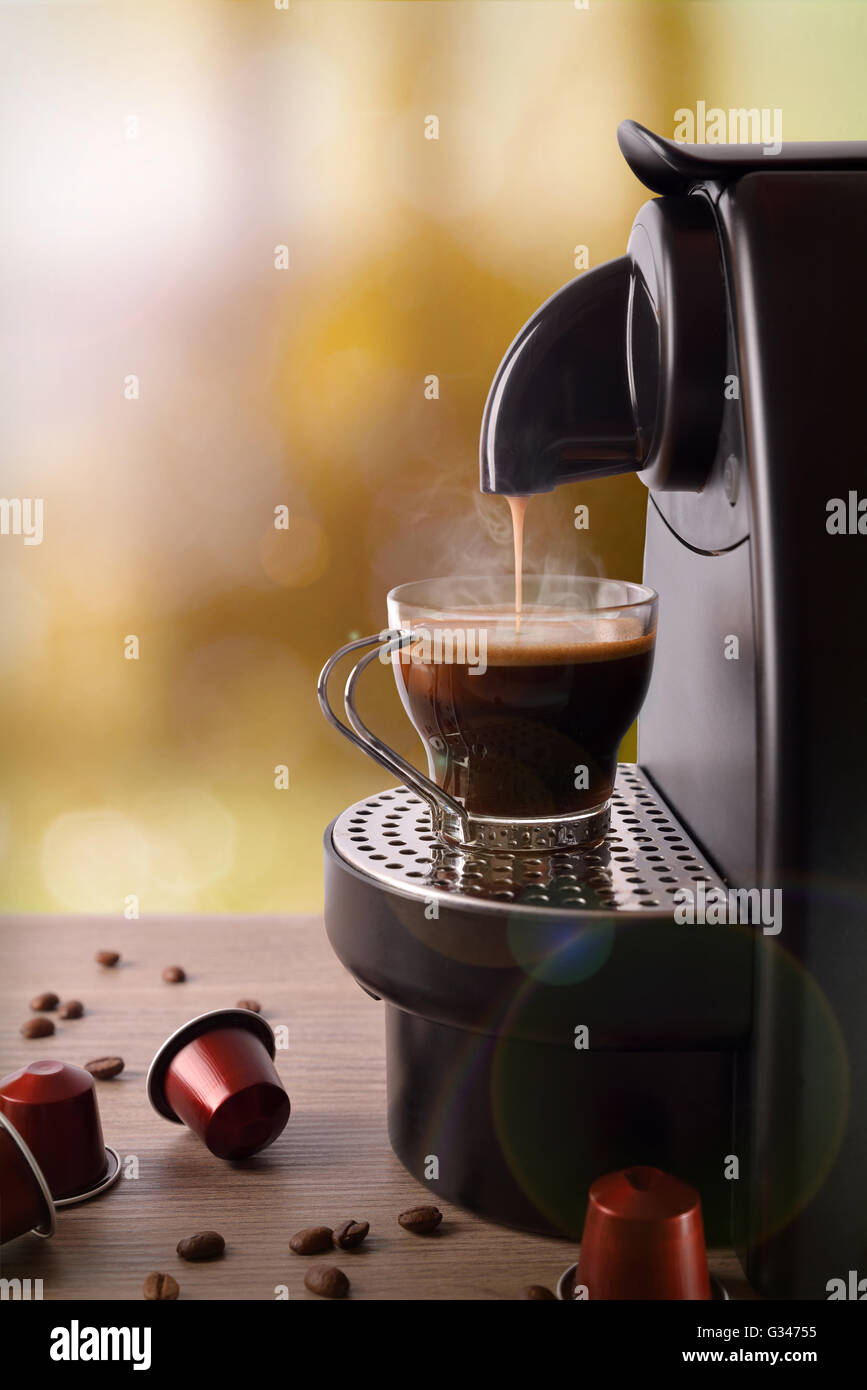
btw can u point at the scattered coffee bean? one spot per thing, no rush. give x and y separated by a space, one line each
159 1288
312 1240
174 975
107 957
350 1234
204 1245
39 1027
252 1004
44 1003
327 1281
537 1291
73 1008
422 1221
104 1068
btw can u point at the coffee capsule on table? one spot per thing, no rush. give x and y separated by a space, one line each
643 1239
25 1197
216 1075
53 1107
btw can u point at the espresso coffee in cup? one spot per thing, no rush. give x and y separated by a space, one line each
520 710
531 727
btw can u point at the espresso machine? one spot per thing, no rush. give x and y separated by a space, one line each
550 1018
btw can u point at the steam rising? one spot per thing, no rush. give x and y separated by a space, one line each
442 527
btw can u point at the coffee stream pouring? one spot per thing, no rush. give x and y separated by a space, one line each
723 359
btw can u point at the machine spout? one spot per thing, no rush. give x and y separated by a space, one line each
560 406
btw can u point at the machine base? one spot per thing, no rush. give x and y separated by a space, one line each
517 1131
548 1018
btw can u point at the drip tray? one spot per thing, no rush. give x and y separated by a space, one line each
646 858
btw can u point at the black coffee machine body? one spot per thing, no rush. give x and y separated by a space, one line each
580 1024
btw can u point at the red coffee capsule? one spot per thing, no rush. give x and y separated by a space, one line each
53 1107
216 1075
643 1238
25 1198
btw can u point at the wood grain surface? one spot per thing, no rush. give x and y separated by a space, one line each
331 1163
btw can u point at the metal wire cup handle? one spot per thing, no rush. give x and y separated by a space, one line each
449 818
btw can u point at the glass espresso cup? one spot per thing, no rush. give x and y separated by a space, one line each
520 715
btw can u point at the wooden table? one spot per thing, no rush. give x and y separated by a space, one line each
332 1162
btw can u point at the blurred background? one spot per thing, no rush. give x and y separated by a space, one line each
166 383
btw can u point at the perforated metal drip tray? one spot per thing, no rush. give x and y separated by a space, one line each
645 859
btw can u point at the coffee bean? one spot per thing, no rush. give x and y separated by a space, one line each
159 1288
312 1240
204 1245
422 1221
107 957
252 1004
104 1068
327 1281
350 1234
537 1291
44 1003
174 975
39 1027
73 1008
